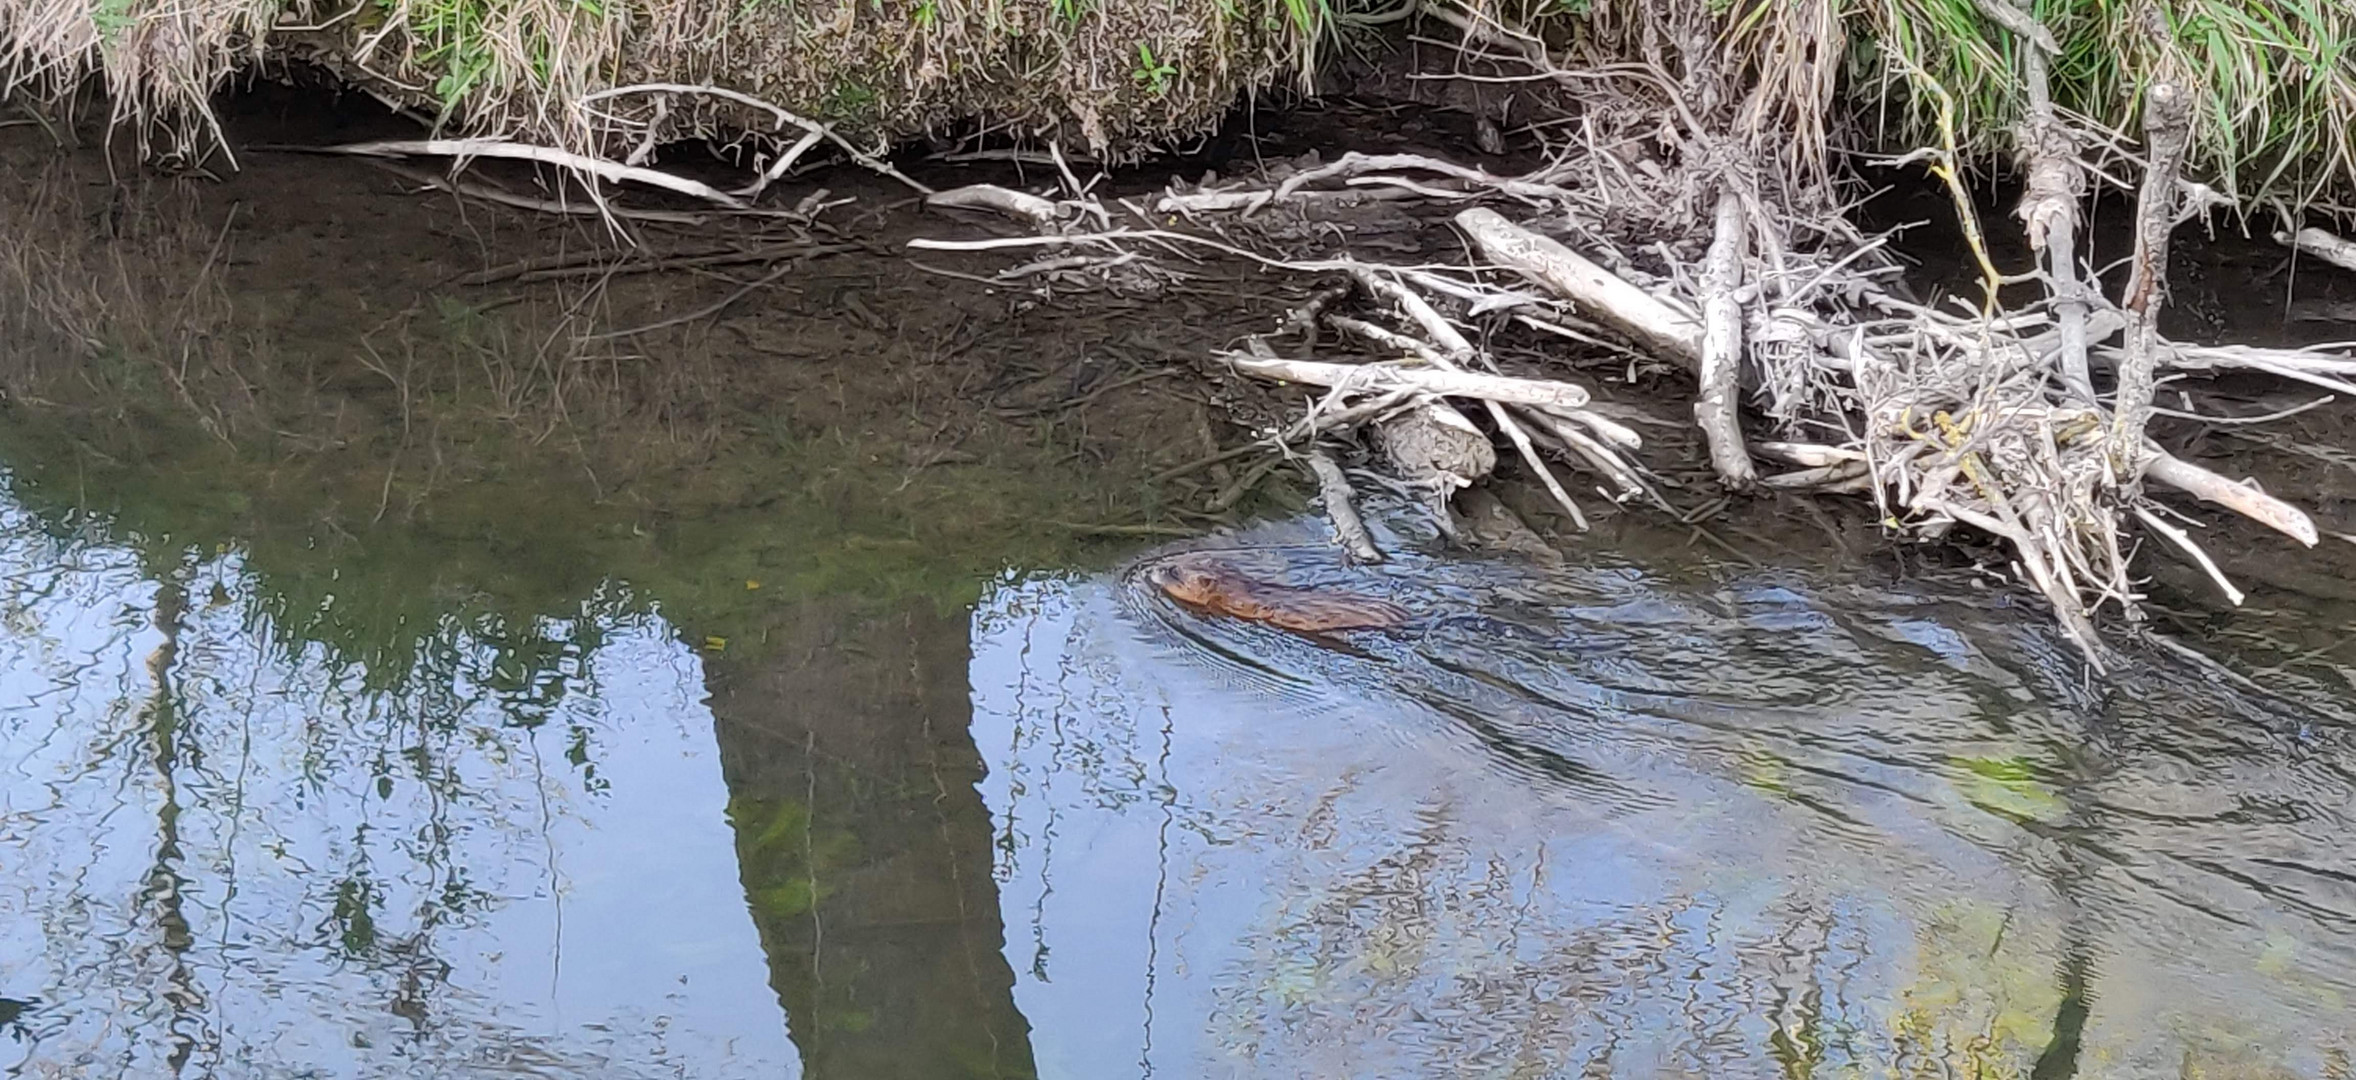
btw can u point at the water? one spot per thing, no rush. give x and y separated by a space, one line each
1750 828
386 693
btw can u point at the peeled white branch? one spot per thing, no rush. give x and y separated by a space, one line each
2184 541
2242 499
2323 245
1714 409
1599 294
1374 380
1014 204
615 171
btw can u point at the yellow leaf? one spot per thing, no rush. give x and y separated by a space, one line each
751 584
715 643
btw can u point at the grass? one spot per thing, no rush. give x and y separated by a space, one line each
2276 79
522 68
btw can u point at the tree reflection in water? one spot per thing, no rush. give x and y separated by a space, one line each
1717 828
229 854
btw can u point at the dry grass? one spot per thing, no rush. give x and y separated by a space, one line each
2276 78
1112 74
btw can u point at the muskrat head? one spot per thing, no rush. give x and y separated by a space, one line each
1193 580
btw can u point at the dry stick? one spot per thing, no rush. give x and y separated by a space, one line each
784 163
1721 359
1443 382
1596 455
2049 205
1348 528
2247 501
2323 245
2184 541
463 149
1613 433
1598 293
2167 126
1529 451
1356 164
1811 455
1839 472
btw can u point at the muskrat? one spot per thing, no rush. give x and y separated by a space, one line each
1220 588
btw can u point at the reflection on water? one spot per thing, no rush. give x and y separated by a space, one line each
225 855
865 846
1739 830
351 726
1600 821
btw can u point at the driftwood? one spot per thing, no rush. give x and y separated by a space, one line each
2242 499
1714 410
1372 378
2323 245
1022 206
1593 291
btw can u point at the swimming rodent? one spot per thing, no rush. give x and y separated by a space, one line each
1218 587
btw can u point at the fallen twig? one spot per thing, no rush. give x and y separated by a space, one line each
463 149
1377 378
2247 501
1022 206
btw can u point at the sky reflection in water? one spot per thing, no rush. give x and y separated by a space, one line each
220 854
1751 827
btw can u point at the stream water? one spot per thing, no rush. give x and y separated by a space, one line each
382 697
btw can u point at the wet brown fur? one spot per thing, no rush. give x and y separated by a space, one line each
1220 588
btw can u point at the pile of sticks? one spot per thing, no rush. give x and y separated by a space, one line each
1664 224
1759 287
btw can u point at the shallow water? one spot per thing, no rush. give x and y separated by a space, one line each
380 697
1619 824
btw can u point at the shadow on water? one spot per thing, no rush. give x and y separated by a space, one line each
395 682
398 681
